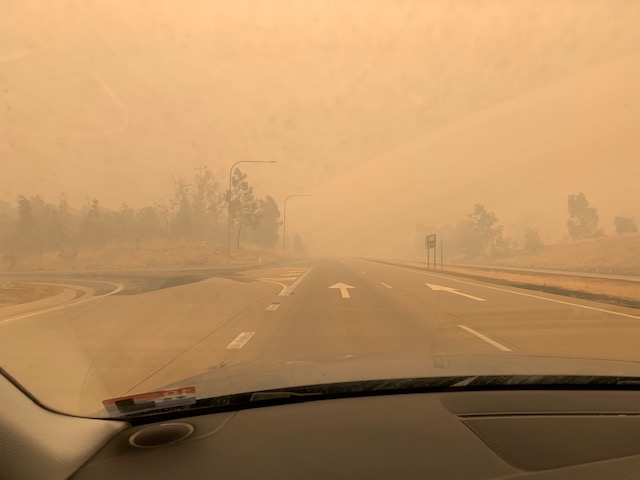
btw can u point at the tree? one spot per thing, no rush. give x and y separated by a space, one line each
196 207
38 226
464 240
95 229
488 233
8 245
299 248
206 204
124 224
65 220
265 233
532 240
181 213
150 222
243 206
625 225
583 218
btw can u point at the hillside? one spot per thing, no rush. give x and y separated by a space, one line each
615 254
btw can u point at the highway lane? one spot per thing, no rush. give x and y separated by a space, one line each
391 310
145 338
527 321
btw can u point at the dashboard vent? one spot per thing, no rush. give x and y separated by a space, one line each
161 435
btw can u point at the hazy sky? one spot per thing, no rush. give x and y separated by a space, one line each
110 99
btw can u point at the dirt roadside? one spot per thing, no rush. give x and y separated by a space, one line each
13 293
24 298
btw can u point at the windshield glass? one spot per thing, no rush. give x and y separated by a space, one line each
209 198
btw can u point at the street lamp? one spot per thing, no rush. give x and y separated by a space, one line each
229 199
284 220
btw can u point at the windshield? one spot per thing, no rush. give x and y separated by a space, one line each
212 198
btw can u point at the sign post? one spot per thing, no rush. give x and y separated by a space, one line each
429 243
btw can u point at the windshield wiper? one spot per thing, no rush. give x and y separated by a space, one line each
270 396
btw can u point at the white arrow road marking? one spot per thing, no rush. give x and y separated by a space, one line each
240 340
440 288
273 306
343 289
499 346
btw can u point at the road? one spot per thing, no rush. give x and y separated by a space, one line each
139 333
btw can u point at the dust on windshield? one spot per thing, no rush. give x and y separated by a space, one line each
242 196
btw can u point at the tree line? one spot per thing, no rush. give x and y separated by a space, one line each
481 234
198 210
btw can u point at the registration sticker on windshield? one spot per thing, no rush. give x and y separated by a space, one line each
146 402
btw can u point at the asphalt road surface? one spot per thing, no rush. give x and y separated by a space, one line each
140 331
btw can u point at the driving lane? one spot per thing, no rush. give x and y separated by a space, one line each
141 340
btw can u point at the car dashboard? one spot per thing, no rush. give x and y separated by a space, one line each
480 434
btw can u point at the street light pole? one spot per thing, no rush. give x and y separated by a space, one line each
229 198
284 220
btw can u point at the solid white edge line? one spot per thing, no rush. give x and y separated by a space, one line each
388 286
612 312
240 341
118 288
499 346
291 287
284 287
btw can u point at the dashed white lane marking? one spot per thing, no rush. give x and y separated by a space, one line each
499 346
388 286
287 291
363 272
240 340
273 306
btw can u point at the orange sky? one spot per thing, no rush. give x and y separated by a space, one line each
110 99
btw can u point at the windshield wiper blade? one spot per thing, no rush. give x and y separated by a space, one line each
270 396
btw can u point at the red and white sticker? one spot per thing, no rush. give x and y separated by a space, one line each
147 402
